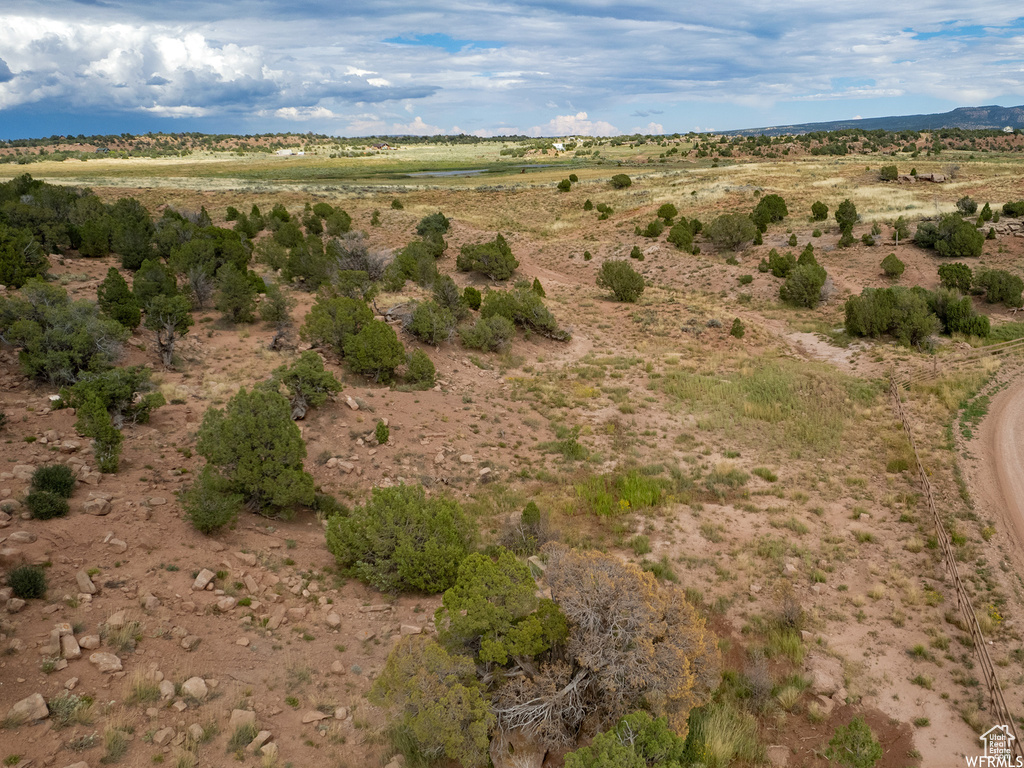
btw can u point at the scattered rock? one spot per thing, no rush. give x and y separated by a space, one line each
97 507
340 713
21 537
69 647
106 662
826 674
466 458
240 717
411 629
333 620
15 605
296 614
351 403
365 634
269 751
89 642
203 580
195 688
149 601
778 755
226 604
117 620
85 583
190 642
163 736
242 641
313 716
195 732
118 545
71 683
29 709
156 501
166 690
261 738
337 668
247 558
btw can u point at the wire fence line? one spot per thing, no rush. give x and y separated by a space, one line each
963 601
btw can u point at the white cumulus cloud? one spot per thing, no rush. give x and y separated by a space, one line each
578 124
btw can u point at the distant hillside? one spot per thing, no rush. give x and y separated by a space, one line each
968 118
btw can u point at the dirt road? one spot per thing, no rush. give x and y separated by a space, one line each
1000 476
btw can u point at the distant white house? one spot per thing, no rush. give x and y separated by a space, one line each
1008 129
559 146
288 152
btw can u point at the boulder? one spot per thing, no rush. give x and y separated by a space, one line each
85 583
96 507
89 642
313 716
29 709
826 674
240 717
195 688
106 662
203 579
69 647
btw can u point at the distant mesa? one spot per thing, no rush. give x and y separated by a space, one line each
993 118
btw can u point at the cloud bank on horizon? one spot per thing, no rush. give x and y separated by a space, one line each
536 67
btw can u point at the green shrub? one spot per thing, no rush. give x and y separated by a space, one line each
396 204
117 301
888 173
731 230
448 296
951 237
381 432
564 185
587 205
745 279
94 421
898 311
58 339
770 208
1015 209
621 181
667 211
493 259
803 285
854 745
44 505
966 206
636 253
892 266
625 283
986 213
1000 287
524 308
654 229
956 276
127 394
307 382
402 541
846 215
21 257
780 265
681 235
258 450
472 297
332 321
420 373
209 503
819 211
433 224
431 323
375 351
573 178
491 334
738 329
27 582
58 479
236 296
637 741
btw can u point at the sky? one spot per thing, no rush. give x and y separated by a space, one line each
535 67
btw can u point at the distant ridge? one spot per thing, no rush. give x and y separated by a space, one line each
968 118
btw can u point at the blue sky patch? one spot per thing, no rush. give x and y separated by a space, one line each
438 40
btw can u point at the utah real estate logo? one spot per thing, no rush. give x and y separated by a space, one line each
998 742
